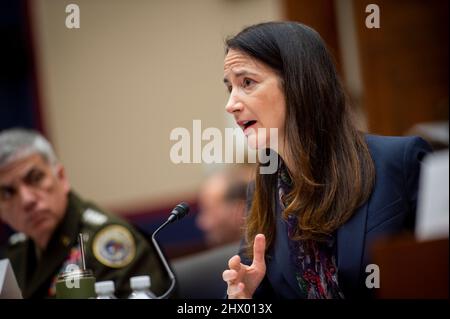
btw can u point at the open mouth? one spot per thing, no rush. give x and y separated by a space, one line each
246 124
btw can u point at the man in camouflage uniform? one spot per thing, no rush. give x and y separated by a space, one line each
37 202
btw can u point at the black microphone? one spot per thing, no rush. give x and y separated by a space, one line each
177 213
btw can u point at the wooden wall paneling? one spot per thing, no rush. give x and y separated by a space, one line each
404 64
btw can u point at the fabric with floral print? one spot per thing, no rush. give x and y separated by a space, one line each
314 261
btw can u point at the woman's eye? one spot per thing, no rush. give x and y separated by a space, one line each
229 88
247 82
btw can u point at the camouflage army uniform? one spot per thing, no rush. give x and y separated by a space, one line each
114 250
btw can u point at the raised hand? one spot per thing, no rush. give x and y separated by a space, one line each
243 280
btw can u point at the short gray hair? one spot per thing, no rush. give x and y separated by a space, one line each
18 143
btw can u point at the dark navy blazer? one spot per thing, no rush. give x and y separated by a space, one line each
389 210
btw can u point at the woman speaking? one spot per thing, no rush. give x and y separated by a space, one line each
310 224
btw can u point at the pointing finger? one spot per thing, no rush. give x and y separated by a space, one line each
259 247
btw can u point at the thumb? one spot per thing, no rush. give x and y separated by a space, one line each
259 247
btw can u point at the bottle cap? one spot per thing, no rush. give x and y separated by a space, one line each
104 287
140 282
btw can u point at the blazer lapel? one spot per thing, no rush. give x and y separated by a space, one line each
285 269
350 248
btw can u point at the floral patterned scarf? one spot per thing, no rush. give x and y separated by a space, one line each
315 262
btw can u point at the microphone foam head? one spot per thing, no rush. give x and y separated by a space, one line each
182 209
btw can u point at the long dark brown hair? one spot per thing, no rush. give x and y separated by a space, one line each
331 167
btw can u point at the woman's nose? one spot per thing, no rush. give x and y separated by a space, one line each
233 104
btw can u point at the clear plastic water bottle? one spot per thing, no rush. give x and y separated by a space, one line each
141 288
105 290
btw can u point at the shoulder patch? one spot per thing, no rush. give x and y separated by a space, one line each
17 238
114 246
94 217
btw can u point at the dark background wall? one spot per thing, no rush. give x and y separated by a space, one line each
19 105
403 64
